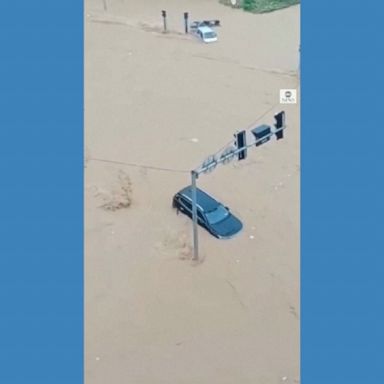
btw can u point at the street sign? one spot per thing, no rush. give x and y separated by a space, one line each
262 134
227 155
209 164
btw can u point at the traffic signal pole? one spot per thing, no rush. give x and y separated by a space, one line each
186 21
278 132
164 15
200 170
194 176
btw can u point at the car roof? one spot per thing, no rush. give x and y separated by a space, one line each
203 200
205 29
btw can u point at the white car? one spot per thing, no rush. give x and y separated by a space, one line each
207 34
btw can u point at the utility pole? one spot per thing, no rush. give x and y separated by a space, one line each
164 14
186 21
194 176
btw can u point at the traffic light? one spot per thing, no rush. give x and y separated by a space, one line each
280 124
262 134
164 13
241 142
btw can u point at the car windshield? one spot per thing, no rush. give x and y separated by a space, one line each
219 214
209 35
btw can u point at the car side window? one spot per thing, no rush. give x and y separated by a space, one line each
186 204
200 215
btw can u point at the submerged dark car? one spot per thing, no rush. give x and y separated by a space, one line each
211 215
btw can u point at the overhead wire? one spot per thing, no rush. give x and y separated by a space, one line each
155 168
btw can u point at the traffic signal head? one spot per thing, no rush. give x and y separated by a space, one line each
262 134
280 124
241 142
185 15
164 13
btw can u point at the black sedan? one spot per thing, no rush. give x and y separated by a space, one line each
211 215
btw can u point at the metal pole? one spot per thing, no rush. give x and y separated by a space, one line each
194 176
186 21
164 14
105 5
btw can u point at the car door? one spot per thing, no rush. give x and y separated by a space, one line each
185 206
201 219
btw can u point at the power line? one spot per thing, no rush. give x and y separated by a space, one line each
154 168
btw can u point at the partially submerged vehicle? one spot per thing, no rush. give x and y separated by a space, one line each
211 215
206 34
203 30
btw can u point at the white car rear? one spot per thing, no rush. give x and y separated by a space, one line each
208 35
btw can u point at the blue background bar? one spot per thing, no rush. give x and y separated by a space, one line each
41 150
342 192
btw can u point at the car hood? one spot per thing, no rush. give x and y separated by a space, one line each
228 227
